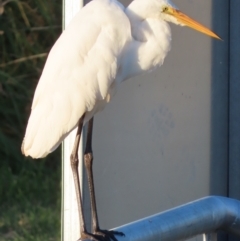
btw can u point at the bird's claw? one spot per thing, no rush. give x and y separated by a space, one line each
101 235
108 235
89 236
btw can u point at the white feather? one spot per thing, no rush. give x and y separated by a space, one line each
102 46
79 71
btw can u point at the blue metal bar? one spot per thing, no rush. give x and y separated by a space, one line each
202 216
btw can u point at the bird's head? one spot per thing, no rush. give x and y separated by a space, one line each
169 12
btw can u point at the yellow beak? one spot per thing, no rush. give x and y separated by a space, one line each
184 19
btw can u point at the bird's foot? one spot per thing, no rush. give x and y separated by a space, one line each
108 235
101 235
90 236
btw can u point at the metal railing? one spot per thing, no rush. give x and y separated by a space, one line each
205 215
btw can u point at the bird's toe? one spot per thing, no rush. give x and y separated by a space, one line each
108 235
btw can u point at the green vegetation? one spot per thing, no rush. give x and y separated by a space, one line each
29 189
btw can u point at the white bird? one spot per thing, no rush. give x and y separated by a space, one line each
103 45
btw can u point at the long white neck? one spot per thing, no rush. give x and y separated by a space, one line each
150 43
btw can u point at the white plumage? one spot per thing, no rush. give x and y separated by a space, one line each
103 45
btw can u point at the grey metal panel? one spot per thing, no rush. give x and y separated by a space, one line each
220 104
234 111
220 99
234 117
168 130
156 134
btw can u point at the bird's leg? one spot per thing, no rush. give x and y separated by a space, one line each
88 161
74 165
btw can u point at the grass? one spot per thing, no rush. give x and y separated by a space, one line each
30 203
29 190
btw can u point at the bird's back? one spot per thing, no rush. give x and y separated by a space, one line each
80 69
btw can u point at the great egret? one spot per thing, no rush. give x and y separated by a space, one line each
103 45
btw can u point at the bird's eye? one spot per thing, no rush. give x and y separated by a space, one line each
165 9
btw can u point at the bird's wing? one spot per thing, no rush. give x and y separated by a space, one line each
78 73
